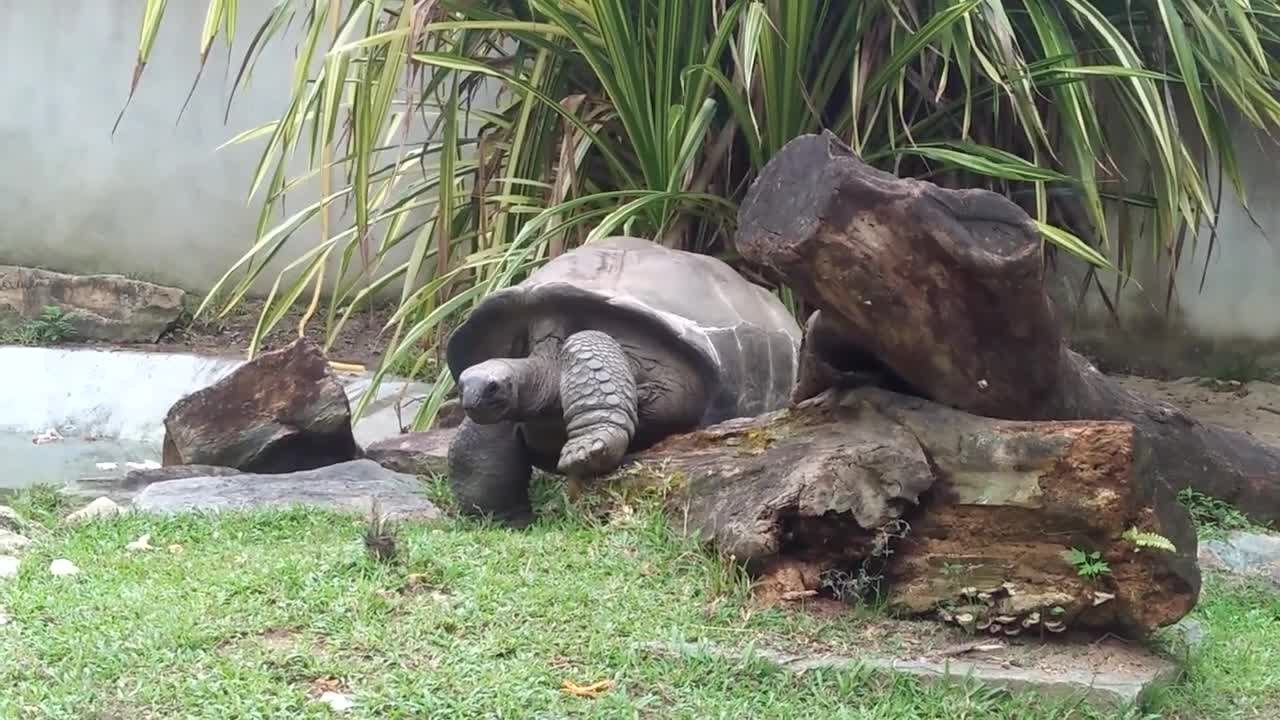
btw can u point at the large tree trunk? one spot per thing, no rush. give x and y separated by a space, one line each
950 510
944 289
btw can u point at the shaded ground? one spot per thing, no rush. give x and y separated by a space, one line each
1253 407
360 341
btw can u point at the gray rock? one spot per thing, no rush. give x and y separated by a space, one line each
1123 685
283 411
111 308
101 508
1189 633
122 489
11 542
348 487
138 479
10 520
420 453
1245 554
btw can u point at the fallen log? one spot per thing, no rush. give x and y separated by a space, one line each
944 289
954 515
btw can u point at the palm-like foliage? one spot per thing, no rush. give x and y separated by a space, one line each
652 117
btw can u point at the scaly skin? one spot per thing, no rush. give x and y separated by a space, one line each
489 472
598 394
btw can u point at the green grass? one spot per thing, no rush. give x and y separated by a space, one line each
1236 673
1214 518
472 621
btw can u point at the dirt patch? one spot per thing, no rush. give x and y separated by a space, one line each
275 640
934 642
362 339
1253 407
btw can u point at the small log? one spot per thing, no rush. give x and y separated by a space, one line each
944 288
821 491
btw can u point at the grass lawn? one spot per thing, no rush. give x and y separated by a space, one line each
259 613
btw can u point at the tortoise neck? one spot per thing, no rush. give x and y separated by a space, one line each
539 381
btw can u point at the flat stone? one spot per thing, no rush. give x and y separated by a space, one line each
347 487
1244 553
1121 679
419 453
110 308
123 489
12 541
103 507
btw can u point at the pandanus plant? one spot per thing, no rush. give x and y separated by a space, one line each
459 143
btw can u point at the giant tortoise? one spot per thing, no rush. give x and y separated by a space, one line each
603 351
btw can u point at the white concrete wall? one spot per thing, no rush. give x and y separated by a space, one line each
158 200
124 395
1240 299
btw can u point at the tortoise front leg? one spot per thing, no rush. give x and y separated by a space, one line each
489 472
598 394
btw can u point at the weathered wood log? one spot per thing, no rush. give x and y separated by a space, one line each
944 289
824 489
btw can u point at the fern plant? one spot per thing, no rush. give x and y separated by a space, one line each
1148 540
1088 564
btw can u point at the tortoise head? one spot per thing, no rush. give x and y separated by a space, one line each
490 391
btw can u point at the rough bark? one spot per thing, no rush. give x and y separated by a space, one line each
978 506
945 289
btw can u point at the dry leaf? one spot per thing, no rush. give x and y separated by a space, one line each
593 690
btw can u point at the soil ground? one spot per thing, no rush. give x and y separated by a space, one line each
362 339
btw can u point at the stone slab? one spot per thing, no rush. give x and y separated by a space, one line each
1115 684
113 308
345 487
1246 554
419 453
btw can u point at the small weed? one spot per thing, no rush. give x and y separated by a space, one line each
863 585
43 504
1213 517
380 535
1088 564
51 328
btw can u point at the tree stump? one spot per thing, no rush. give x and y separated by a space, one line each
959 516
944 289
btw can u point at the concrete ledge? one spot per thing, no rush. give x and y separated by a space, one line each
124 395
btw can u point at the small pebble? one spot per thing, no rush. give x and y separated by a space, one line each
8 566
63 567
336 701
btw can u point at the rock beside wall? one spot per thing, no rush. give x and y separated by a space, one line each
110 308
